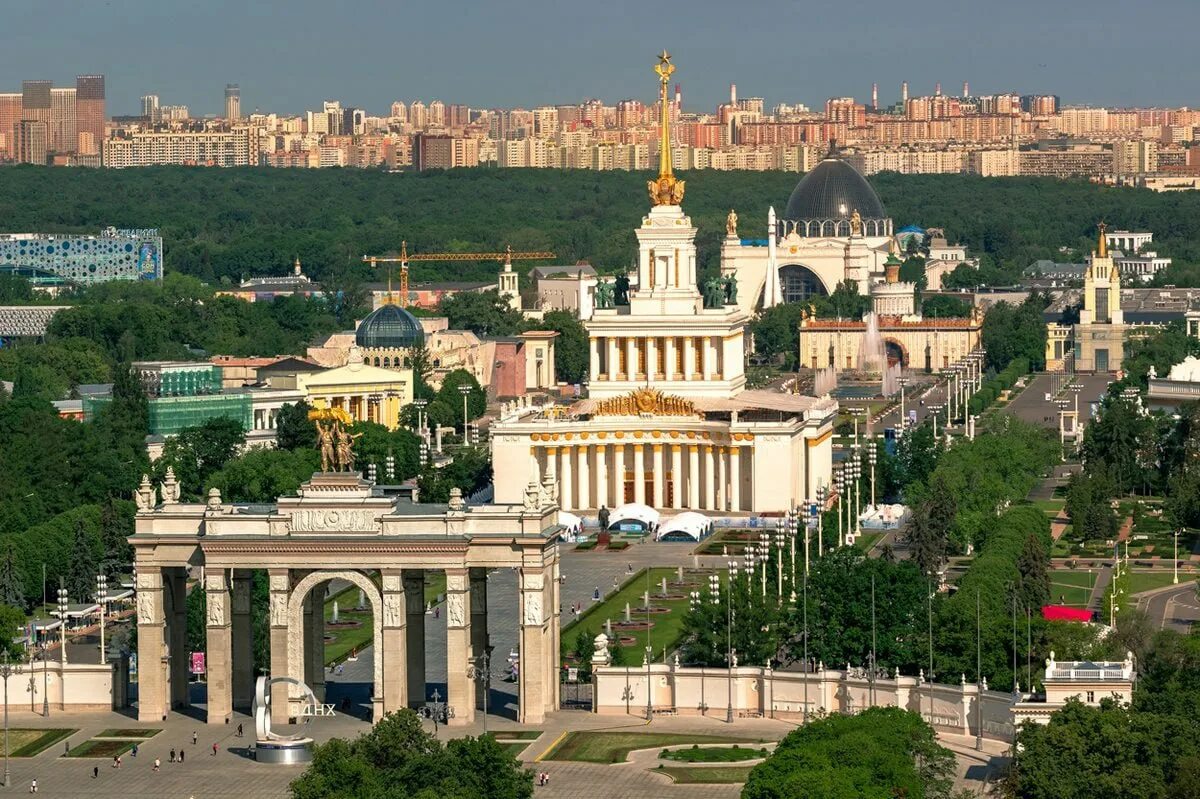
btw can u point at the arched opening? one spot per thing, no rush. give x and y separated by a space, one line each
335 639
895 353
799 283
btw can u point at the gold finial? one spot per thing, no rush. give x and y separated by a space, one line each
1102 248
666 189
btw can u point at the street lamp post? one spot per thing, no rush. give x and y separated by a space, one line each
102 601
465 390
857 495
840 483
7 669
872 455
479 668
45 679
1175 563
902 381
933 415
63 604
821 494
437 710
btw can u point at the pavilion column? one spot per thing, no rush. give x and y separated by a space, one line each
537 681
394 690
709 483
706 354
280 584
689 358
639 473
480 642
218 647
619 474
585 476
242 632
722 456
672 361
594 357
566 496
460 689
693 476
614 356
676 477
735 478
414 612
657 449
151 623
603 478
651 358
552 469
630 358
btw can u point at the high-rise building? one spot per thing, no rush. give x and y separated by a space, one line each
32 141
10 115
64 137
35 100
444 152
437 113
399 111
150 109
89 113
233 102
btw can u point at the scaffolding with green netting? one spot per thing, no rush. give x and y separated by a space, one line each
169 415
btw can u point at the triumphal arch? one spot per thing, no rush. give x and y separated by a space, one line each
339 527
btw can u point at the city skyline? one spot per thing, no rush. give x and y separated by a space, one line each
513 57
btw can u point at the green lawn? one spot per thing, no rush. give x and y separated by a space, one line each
714 754
1050 507
128 732
514 748
106 748
701 775
664 633
517 735
867 540
1071 587
357 638
614 747
1146 581
24 742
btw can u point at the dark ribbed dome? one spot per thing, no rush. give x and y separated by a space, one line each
390 327
833 190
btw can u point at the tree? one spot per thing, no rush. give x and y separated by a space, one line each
485 313
397 757
12 618
293 430
880 753
942 306
195 453
451 397
115 528
1011 332
929 531
776 332
81 574
12 592
570 348
262 475
1033 566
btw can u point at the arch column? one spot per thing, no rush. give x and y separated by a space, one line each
460 689
479 620
218 647
152 674
395 644
280 585
538 673
242 647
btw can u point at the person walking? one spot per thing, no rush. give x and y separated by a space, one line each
194 738
214 754
133 751
181 755
33 786
156 764
239 731
115 762
171 757
95 772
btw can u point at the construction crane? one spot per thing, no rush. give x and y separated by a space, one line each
506 258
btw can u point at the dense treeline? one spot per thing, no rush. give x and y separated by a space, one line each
235 223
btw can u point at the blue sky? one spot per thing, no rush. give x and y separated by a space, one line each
290 55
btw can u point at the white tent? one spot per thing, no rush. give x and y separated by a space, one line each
689 523
572 523
633 512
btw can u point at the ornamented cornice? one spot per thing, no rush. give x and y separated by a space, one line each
646 401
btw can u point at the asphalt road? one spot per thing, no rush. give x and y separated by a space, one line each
1031 404
1176 608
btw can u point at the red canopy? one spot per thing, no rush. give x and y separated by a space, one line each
1064 613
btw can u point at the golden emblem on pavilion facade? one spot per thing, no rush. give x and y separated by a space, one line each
666 189
645 402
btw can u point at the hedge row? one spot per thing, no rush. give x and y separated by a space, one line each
990 390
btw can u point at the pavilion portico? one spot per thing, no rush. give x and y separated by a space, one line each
337 529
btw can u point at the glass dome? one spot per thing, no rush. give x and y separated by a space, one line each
390 327
833 190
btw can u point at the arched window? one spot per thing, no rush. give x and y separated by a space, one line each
799 283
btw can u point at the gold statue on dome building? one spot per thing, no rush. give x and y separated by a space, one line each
648 402
666 189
